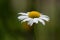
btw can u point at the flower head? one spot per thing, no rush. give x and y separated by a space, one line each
33 17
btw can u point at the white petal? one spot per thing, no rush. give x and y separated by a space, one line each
44 17
35 20
41 21
22 17
23 13
30 22
28 19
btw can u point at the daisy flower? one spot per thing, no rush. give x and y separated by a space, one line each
33 17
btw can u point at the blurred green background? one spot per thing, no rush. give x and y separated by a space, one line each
11 28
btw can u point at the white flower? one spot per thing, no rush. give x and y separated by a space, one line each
33 17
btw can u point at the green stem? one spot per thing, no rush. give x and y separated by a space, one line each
34 27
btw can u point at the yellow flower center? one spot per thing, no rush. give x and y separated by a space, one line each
34 14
